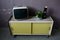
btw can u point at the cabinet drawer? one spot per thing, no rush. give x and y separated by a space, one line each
41 28
20 28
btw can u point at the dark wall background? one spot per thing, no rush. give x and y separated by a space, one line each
7 5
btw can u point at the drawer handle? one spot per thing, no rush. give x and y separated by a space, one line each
11 28
49 28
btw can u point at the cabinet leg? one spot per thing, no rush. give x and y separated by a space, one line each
49 36
14 36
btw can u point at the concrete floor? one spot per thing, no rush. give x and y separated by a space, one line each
5 35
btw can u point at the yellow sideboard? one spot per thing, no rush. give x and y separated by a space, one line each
30 27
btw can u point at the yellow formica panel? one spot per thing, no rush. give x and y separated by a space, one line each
20 28
41 28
